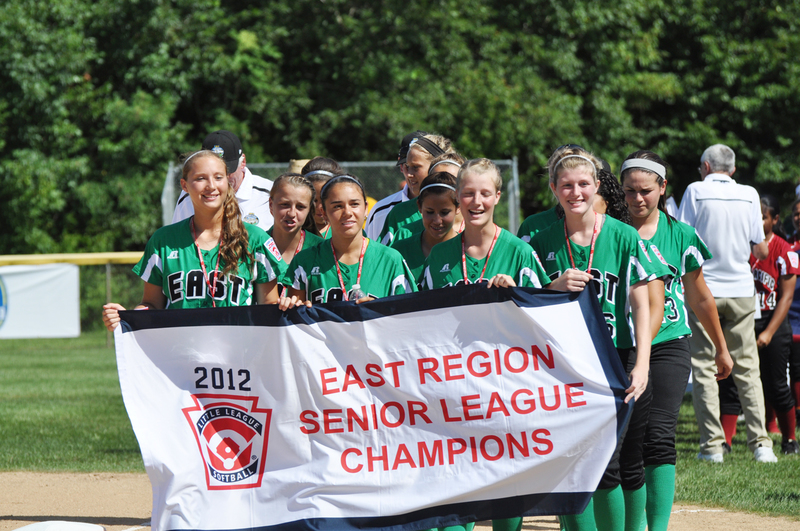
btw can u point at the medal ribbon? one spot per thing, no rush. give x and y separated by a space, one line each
591 248
360 265
464 256
211 288
300 243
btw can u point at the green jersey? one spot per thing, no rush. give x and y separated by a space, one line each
620 261
310 240
406 231
171 262
536 223
411 249
677 246
384 273
509 256
400 216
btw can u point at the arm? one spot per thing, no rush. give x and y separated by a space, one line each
786 289
152 299
267 293
701 301
640 311
760 250
292 299
571 280
655 292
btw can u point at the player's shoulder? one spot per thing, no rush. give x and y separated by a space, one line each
178 230
261 184
387 202
383 251
509 241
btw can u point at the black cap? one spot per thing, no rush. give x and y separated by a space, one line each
606 166
401 156
226 145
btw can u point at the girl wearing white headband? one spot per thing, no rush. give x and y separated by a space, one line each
348 267
318 171
588 247
438 205
420 164
644 181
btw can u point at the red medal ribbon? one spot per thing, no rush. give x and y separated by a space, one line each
211 288
591 248
360 265
464 256
300 243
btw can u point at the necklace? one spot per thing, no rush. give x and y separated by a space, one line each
212 289
464 256
360 265
591 247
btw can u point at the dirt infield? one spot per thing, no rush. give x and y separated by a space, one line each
122 502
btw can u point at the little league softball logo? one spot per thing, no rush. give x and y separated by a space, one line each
232 435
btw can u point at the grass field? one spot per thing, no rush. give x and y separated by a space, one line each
61 410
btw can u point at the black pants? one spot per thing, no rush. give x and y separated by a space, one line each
627 465
670 366
773 361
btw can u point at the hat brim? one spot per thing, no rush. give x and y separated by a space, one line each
232 165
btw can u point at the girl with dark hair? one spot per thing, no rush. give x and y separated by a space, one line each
318 171
210 259
644 182
349 266
590 247
425 155
438 204
775 279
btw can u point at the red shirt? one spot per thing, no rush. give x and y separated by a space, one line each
780 261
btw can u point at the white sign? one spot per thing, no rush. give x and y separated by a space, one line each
39 301
409 412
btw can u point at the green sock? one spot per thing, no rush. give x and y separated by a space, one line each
609 509
580 522
660 480
465 527
507 524
635 501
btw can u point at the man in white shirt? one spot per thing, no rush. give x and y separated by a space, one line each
727 216
252 191
378 213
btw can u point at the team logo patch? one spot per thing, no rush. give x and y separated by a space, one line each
3 302
315 270
218 150
232 434
644 249
445 268
551 256
658 254
793 259
273 249
251 219
172 255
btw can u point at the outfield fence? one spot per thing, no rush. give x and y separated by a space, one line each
104 277
380 178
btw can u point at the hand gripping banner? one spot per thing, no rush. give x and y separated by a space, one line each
405 413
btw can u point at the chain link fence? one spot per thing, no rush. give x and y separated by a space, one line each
380 178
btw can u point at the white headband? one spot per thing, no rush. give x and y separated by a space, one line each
645 164
441 185
195 153
454 163
575 157
319 172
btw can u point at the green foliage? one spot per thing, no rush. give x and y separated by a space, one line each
99 96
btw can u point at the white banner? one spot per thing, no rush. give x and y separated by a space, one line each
39 301
409 412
